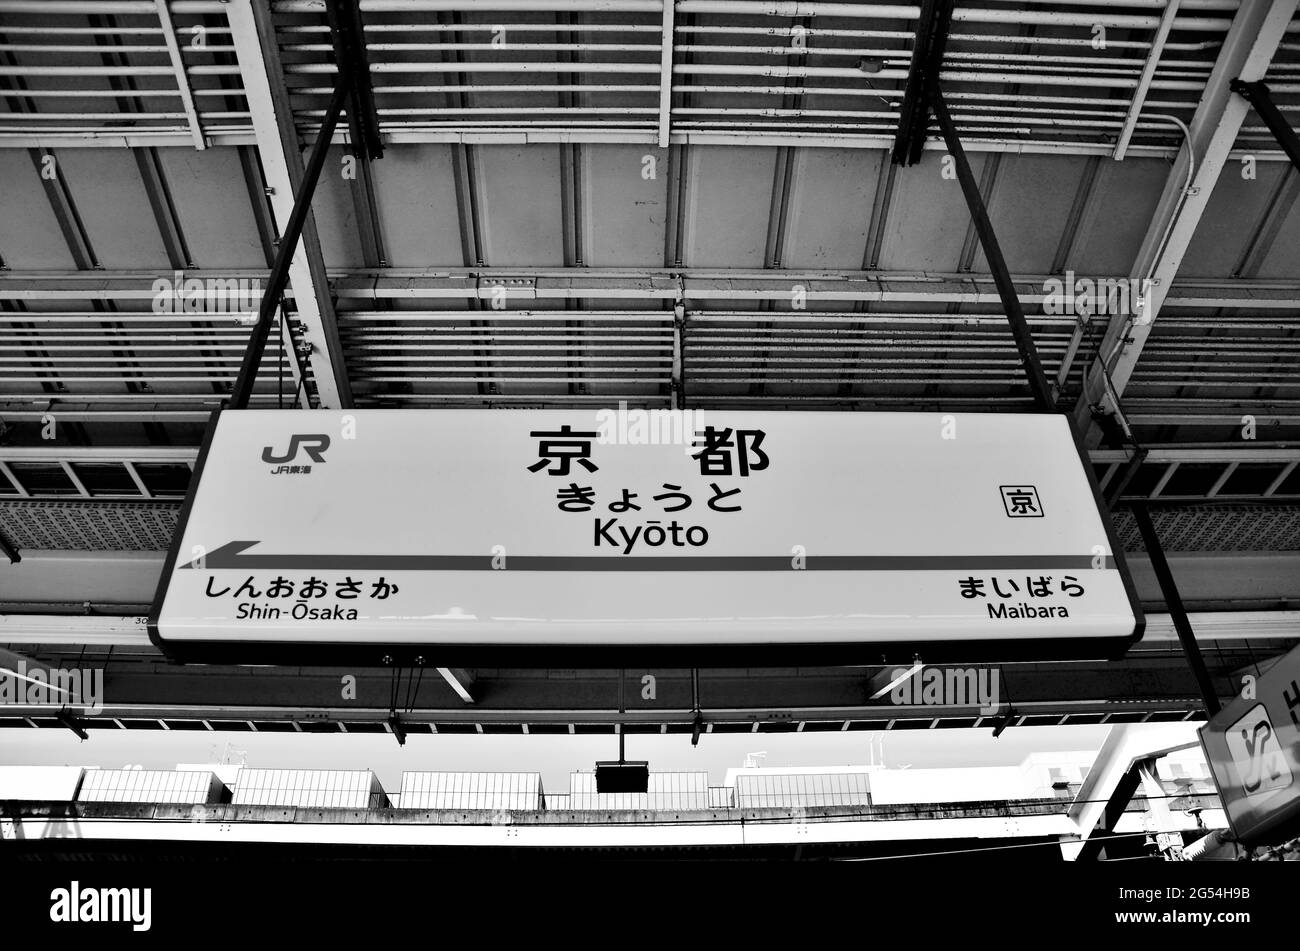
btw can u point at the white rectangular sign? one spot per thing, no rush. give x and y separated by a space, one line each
959 535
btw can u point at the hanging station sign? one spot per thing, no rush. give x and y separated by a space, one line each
1253 748
672 536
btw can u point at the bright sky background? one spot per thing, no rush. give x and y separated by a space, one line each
553 756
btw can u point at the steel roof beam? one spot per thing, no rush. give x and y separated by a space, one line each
277 145
1257 29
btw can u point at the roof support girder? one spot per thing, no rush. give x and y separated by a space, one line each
277 146
273 293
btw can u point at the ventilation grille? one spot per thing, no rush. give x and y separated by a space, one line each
1216 528
89 526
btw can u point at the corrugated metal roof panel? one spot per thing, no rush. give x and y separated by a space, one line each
319 788
803 789
150 785
448 790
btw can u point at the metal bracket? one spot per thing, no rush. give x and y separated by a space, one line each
1258 95
922 75
348 35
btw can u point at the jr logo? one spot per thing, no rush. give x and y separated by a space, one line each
313 445
1261 763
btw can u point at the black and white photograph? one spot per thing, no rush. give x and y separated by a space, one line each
625 468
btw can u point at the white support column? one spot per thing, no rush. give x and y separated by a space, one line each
1256 31
277 146
1124 745
1168 838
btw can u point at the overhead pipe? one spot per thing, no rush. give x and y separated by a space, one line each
120 94
452 6
1007 39
74 48
54 28
485 28
427 88
488 47
1064 78
736 7
966 14
71 8
644 68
